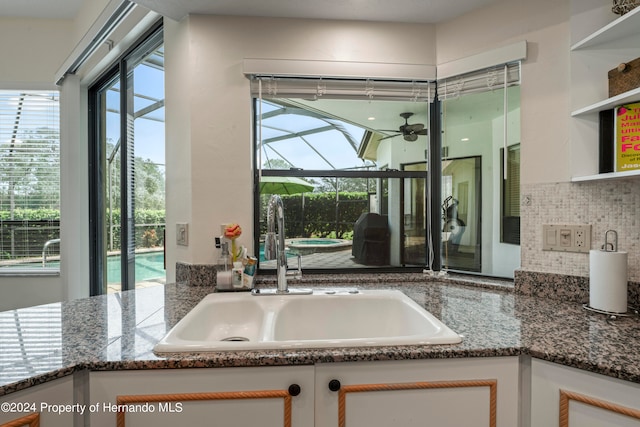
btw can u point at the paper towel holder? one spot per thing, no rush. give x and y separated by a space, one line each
614 245
633 312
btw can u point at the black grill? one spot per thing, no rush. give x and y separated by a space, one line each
371 240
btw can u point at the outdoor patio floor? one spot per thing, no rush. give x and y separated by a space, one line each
332 260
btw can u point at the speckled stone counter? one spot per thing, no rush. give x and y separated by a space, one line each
118 331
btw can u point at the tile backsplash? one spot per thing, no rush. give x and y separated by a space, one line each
606 205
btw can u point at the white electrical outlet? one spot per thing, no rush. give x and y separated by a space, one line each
580 238
182 234
566 238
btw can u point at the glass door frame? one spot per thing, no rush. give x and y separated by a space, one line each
122 70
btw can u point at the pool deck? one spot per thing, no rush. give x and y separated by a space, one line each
338 259
115 287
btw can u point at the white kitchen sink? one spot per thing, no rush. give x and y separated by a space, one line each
326 318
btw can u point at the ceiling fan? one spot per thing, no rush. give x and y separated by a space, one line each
408 132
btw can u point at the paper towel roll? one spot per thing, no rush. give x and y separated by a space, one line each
608 281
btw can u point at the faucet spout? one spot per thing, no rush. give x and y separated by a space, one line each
274 242
274 249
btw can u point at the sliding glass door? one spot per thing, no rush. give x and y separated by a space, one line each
127 171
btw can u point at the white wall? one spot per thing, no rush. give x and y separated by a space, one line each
209 117
32 50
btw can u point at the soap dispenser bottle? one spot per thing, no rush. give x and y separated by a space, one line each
223 268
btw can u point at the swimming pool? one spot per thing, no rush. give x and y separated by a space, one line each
306 246
149 266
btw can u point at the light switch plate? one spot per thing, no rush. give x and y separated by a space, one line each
182 234
566 237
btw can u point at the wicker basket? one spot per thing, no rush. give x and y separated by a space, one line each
620 7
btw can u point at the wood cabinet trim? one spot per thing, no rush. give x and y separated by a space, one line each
31 420
567 396
360 388
185 397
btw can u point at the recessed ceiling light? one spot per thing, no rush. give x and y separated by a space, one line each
464 139
371 118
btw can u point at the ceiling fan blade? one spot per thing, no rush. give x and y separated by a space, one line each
389 136
422 132
411 137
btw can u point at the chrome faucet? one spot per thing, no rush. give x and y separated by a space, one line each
274 242
274 248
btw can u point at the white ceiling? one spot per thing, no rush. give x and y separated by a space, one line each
53 9
417 11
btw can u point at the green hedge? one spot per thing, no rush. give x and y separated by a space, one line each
323 215
149 216
31 215
150 226
319 214
26 240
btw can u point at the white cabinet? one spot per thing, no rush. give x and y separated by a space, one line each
479 392
568 397
46 405
221 397
406 393
591 59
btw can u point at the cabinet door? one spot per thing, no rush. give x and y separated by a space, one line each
469 392
46 405
220 397
567 397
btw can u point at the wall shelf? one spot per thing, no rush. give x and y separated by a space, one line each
591 59
606 176
607 104
625 26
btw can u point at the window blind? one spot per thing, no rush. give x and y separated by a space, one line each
303 87
483 80
30 334
29 172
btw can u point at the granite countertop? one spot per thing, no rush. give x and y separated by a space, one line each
118 331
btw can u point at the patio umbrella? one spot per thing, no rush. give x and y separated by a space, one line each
284 185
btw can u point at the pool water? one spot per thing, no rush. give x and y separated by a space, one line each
315 242
262 258
149 266
306 246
